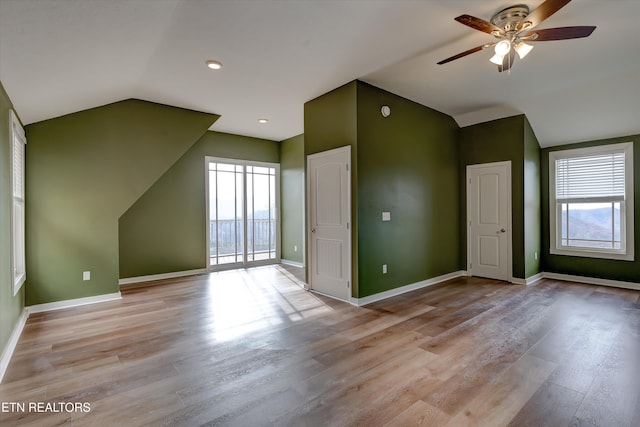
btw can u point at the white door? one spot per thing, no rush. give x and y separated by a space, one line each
329 215
489 220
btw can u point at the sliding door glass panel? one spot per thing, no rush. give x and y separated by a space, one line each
250 214
261 213
226 214
273 219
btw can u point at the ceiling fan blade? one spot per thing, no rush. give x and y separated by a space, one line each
507 61
478 24
541 13
560 33
465 53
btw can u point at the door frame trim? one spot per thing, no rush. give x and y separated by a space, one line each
310 266
506 163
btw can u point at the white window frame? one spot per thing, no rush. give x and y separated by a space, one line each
627 209
18 263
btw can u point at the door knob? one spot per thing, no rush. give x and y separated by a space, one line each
502 230
313 230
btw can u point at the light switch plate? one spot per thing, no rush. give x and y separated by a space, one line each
386 216
86 275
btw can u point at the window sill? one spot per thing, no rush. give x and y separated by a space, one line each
593 254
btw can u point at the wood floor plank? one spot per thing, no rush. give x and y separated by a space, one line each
420 414
614 394
501 400
363 356
339 404
384 322
124 408
577 369
550 406
448 319
252 347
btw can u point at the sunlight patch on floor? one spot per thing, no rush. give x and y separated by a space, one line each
242 301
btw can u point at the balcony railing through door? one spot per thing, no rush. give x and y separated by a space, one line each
223 243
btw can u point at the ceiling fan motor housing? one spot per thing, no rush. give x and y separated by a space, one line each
508 18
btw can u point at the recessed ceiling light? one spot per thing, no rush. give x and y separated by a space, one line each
263 121
214 65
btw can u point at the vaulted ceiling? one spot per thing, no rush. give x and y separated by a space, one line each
58 57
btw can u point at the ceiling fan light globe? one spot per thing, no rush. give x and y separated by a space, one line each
214 65
503 47
523 49
497 59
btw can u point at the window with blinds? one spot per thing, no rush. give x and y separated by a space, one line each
18 141
591 197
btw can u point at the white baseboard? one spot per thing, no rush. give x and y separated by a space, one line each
11 344
349 301
292 263
533 279
528 281
592 280
59 305
152 277
407 288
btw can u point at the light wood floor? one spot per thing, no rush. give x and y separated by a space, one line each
251 348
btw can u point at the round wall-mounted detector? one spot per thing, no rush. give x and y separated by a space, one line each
385 110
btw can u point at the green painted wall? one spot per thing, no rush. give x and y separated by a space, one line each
531 210
83 171
591 267
292 196
165 229
330 121
408 166
497 141
10 306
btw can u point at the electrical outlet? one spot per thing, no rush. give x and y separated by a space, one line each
535 255
86 275
384 268
295 248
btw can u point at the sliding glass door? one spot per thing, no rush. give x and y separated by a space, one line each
243 223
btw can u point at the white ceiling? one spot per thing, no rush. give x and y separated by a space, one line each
62 56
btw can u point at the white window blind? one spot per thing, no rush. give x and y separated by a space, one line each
591 178
18 165
18 142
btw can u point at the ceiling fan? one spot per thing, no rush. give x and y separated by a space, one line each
512 27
